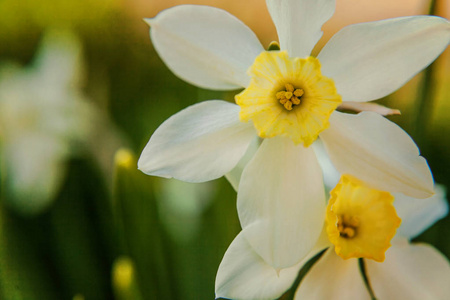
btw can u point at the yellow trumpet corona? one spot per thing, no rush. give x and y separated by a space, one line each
361 221
288 97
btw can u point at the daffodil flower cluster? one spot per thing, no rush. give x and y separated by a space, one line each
289 103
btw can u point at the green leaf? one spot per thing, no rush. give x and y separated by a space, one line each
23 272
290 294
140 230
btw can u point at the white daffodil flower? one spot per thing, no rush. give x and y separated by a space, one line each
45 119
405 271
41 115
290 100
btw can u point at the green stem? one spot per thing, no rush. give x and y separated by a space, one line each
2 172
432 7
289 295
362 269
426 97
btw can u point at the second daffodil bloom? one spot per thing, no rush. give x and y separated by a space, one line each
42 115
361 223
290 100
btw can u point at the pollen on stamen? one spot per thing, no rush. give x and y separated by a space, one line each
290 97
347 226
289 87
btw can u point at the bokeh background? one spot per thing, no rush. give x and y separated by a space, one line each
81 92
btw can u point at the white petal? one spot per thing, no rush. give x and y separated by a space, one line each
410 272
330 175
299 23
59 60
377 151
281 201
419 214
333 278
243 274
205 46
371 60
200 143
36 167
234 176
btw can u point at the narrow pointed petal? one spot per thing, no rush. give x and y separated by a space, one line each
205 46
333 278
368 106
368 61
379 152
412 272
419 214
299 23
281 201
243 274
200 143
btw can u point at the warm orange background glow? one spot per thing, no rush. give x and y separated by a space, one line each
254 12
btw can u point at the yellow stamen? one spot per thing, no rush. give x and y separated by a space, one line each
289 87
361 221
280 95
348 232
288 105
295 100
288 97
298 92
347 226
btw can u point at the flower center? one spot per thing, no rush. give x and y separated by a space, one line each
290 96
361 221
347 226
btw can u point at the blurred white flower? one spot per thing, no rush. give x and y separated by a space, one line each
44 119
41 116
290 100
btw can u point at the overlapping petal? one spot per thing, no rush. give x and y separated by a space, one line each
281 201
333 278
200 143
378 152
299 23
371 60
410 272
419 214
243 274
205 46
330 175
234 176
